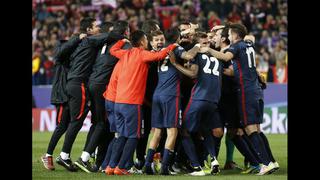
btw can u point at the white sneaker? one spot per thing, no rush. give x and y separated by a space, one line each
276 165
266 169
198 171
134 170
215 167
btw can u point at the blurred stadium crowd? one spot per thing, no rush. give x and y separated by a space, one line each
265 19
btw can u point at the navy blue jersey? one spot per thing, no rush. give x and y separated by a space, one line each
244 66
168 76
228 83
208 83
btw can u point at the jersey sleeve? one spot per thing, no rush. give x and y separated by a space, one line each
234 49
148 56
178 51
116 49
62 50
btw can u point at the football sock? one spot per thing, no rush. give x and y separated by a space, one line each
259 146
217 144
149 157
252 148
167 156
209 143
190 150
117 149
266 144
244 149
85 156
230 149
128 151
48 155
108 154
64 156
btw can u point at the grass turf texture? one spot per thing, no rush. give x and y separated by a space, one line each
40 140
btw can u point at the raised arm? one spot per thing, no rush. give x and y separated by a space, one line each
64 49
189 55
191 72
116 49
148 56
219 55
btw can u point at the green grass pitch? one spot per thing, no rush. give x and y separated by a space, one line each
278 143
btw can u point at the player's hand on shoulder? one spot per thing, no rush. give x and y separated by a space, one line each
125 40
228 71
82 35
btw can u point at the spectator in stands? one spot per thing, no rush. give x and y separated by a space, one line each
258 16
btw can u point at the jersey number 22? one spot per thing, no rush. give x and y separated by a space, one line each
207 69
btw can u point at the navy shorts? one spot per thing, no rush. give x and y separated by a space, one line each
110 115
129 119
166 112
201 115
228 110
251 106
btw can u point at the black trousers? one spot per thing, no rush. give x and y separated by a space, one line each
78 105
99 135
62 123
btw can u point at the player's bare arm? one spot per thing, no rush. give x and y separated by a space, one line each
191 72
219 55
189 55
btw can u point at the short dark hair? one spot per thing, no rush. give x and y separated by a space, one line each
225 34
239 29
185 23
136 37
105 26
149 26
120 27
86 23
155 33
172 35
198 36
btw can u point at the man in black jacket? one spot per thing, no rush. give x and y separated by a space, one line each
98 80
59 96
81 62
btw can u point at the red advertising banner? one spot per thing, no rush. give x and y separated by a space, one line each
45 120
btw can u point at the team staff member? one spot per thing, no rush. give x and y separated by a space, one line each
81 62
59 97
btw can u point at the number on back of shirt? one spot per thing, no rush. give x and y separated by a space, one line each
206 68
251 57
164 66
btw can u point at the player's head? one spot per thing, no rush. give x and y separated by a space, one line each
106 27
250 38
89 26
237 32
184 26
210 35
221 38
186 32
157 40
139 39
173 35
202 39
149 26
122 27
